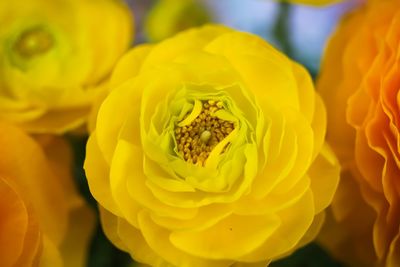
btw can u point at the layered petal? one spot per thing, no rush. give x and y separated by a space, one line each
209 151
55 60
44 221
359 82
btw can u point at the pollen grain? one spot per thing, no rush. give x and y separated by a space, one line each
196 140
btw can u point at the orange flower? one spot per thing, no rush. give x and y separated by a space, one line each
40 210
360 82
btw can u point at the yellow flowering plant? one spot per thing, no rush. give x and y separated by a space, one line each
210 151
168 17
53 64
359 82
43 220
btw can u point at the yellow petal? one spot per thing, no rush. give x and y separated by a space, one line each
95 166
324 175
294 224
278 88
252 231
109 223
190 40
158 239
129 65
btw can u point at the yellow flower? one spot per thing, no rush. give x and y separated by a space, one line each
55 57
168 17
360 83
210 151
43 220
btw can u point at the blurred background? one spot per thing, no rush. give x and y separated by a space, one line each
301 32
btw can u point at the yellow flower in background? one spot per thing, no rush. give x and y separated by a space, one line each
43 220
210 151
360 84
168 17
55 57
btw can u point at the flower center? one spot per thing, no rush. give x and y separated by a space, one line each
201 131
33 42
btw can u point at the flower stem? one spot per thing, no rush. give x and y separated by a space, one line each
281 28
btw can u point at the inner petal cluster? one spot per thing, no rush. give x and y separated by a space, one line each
200 131
34 42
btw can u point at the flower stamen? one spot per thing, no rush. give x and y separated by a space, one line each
198 136
205 136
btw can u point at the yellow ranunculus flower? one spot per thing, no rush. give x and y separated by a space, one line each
210 151
55 56
360 82
43 220
168 17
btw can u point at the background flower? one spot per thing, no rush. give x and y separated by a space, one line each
168 17
43 220
251 195
55 58
359 82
